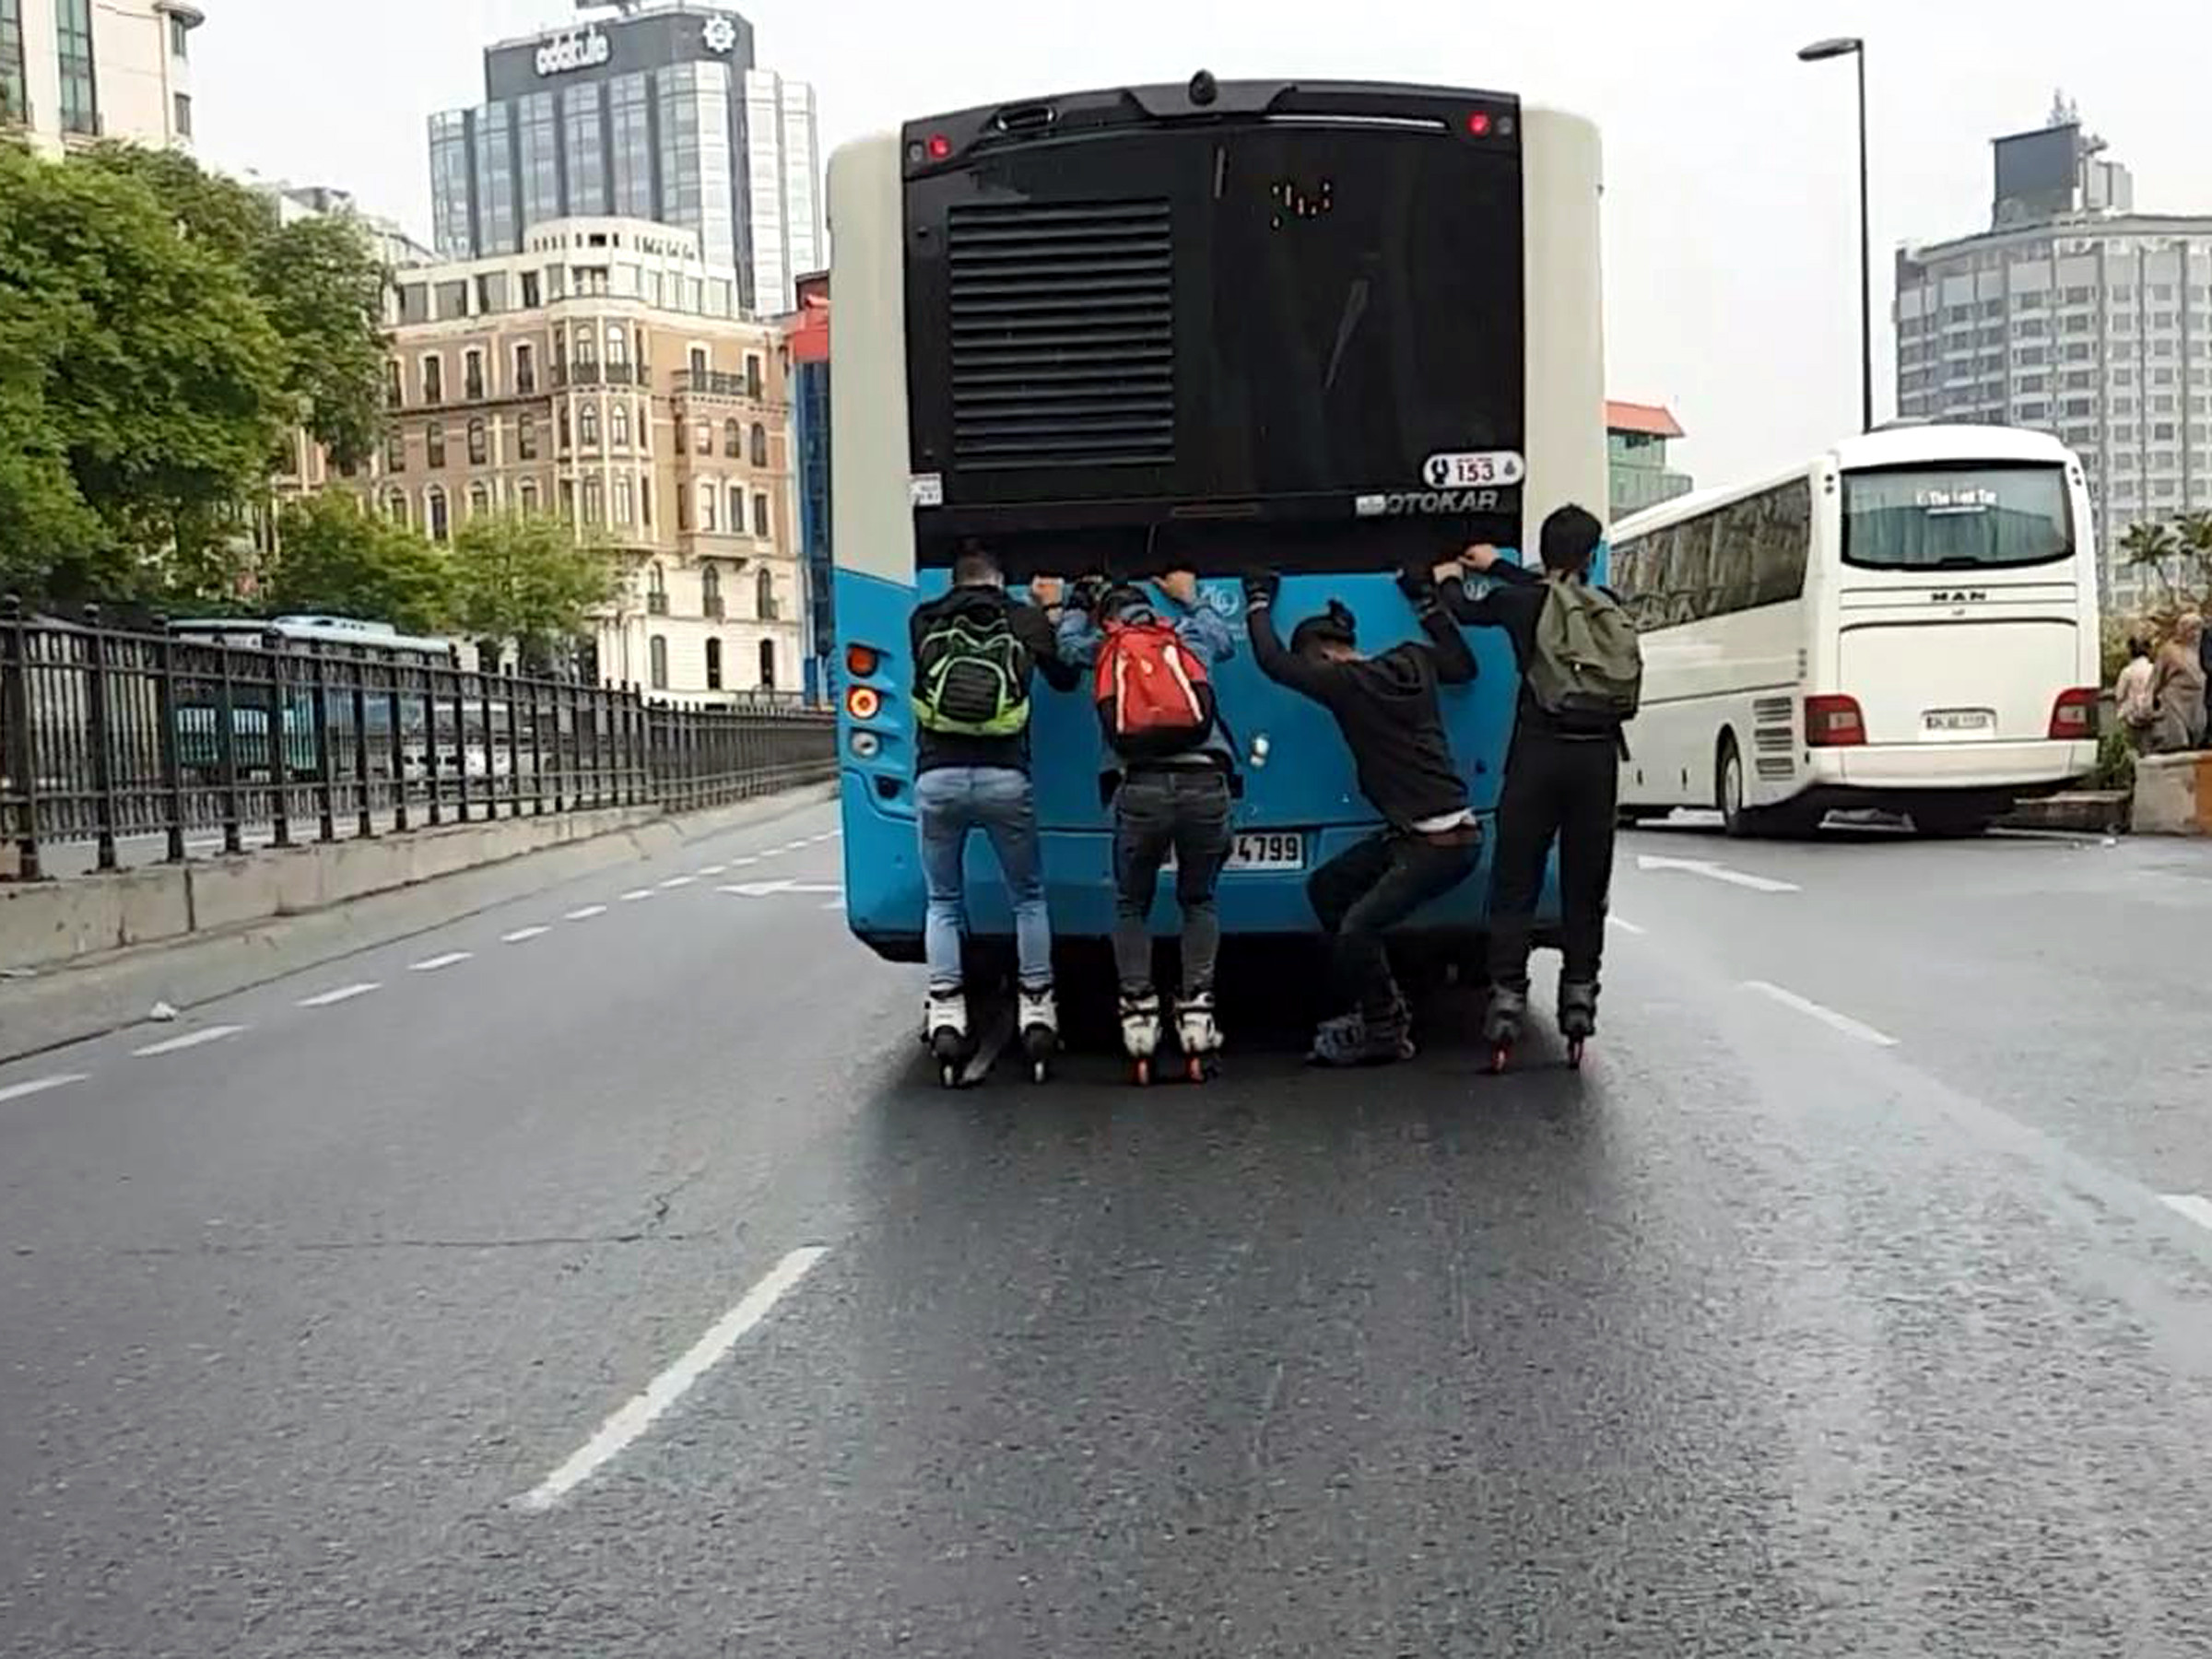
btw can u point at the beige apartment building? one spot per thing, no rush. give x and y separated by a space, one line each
74 72
604 373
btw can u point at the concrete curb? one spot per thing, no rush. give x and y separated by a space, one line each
2173 794
2089 811
95 993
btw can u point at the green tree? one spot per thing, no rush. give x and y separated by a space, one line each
527 579
335 555
317 279
140 367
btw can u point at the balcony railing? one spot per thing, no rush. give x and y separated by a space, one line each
601 374
713 382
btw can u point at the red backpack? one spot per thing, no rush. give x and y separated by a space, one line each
1154 696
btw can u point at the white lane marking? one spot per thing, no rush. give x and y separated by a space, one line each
635 894
616 1433
585 914
797 846
765 852
1717 871
679 881
1624 926
330 999
739 863
523 935
767 889
190 1039
710 871
17 1091
2194 1206
830 835
433 964
835 904
1826 1015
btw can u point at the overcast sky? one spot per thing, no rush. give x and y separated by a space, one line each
1731 218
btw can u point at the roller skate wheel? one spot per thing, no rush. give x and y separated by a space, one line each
948 1075
1196 1068
1499 1055
1574 1054
1142 1071
1039 1070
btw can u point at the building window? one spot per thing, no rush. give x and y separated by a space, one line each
587 348
658 649
182 108
532 293
626 502
699 367
567 436
703 438
708 520
645 500
479 501
396 452
713 664
617 345
433 380
587 424
761 515
525 435
73 53
472 375
180 39
644 426
759 444
683 508
618 425
752 374
768 664
737 506
710 591
395 509
434 515
764 595
732 440
433 444
480 445
525 496
656 591
595 501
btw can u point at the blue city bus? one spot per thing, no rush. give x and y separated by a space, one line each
1327 328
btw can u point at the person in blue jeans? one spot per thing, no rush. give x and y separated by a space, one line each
974 654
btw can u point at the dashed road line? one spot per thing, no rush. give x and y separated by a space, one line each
522 936
1826 1015
1712 871
330 999
797 846
739 863
585 913
636 895
37 1085
1624 926
2194 1206
433 964
624 1426
710 871
190 1039
678 881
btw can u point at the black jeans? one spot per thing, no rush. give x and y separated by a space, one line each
1372 887
1186 808
1562 787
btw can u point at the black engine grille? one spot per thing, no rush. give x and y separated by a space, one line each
1063 335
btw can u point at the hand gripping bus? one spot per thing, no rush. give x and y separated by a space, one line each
1328 328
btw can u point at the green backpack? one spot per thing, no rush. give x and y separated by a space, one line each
1586 670
972 675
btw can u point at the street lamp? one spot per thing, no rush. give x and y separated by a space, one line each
1850 46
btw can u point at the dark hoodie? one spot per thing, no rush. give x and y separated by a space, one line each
1386 707
933 750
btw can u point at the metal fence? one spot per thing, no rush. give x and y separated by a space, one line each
109 736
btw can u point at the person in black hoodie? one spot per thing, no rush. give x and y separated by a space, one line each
974 653
1386 707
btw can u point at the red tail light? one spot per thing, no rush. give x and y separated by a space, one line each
1833 723
861 661
2074 715
864 702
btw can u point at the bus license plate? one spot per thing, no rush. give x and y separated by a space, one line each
1958 722
1268 850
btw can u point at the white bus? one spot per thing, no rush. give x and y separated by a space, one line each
1907 623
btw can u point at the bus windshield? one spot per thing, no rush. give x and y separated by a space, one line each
1956 518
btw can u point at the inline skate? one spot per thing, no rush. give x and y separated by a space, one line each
1198 1034
1140 1032
1578 1017
1039 1021
1355 1040
1501 1022
946 1034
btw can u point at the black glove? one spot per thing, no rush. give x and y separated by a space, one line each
1261 587
1416 583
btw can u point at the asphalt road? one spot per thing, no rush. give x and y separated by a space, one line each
612 1282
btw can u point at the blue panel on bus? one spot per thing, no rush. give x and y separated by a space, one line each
1306 783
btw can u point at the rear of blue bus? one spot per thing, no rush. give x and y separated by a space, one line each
1207 327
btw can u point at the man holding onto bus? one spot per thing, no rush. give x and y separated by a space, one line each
1579 671
1386 707
1168 761
975 651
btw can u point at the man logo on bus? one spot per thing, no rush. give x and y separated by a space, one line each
1439 471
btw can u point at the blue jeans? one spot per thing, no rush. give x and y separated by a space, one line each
998 801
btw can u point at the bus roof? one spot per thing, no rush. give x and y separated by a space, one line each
1947 444
324 631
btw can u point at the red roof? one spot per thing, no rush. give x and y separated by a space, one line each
1651 419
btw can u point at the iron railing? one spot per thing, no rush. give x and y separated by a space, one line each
111 736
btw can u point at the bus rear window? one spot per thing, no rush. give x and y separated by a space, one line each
1956 518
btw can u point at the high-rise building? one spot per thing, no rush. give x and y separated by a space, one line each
604 375
656 112
1638 475
2077 315
77 71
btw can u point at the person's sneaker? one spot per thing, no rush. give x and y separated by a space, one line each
1357 1041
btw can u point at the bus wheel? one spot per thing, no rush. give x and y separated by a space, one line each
1736 820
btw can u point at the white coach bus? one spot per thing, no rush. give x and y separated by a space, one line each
1909 623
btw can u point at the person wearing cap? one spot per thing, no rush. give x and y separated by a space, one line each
1387 708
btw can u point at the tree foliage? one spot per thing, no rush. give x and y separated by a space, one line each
525 578
334 554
